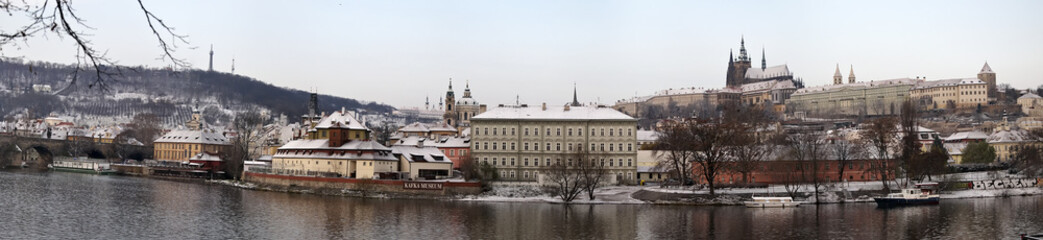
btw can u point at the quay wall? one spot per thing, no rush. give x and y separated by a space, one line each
387 186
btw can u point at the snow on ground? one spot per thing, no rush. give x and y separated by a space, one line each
604 195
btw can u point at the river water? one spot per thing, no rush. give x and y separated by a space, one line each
71 205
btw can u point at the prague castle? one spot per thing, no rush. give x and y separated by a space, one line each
769 86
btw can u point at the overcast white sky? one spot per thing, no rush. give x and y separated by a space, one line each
398 52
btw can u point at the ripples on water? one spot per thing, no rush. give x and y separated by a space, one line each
70 205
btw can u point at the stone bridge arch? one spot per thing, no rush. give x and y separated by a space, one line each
36 156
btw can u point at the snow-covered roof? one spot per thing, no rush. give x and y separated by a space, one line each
427 127
986 69
466 101
353 150
770 72
972 135
420 154
341 119
1011 136
768 85
415 127
647 136
193 136
312 144
1029 96
203 156
856 85
444 142
947 83
955 148
552 113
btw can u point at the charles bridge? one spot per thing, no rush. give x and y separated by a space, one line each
37 152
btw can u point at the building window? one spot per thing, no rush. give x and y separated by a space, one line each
512 173
630 147
548 131
570 147
630 162
548 162
602 147
504 131
570 132
559 132
486 131
536 131
512 131
548 147
512 162
526 174
526 132
611 163
525 161
536 162
512 146
503 161
611 148
503 145
494 161
525 146
494 146
579 131
602 132
610 132
558 147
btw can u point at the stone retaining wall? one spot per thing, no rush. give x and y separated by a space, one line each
389 186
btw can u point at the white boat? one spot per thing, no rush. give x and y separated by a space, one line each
923 194
771 202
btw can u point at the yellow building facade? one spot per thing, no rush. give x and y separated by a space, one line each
180 145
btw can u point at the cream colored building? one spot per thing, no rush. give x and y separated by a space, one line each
951 93
180 145
1007 141
339 146
1031 105
520 141
423 162
883 97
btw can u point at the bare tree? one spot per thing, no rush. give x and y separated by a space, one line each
591 169
145 128
806 149
248 126
881 134
565 181
845 150
710 141
60 18
674 144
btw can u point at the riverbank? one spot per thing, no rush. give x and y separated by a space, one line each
854 192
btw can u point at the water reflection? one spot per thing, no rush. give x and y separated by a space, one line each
66 205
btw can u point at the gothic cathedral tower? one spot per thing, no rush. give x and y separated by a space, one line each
737 66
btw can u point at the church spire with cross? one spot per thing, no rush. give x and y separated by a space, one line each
575 97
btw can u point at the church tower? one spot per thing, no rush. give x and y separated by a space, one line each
737 66
450 104
211 57
837 78
989 77
851 76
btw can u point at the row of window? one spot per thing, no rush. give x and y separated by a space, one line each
535 131
536 175
453 152
547 162
555 147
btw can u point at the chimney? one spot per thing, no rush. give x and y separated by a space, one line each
544 106
566 107
420 143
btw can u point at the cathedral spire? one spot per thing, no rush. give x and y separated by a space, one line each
575 99
450 84
837 78
743 57
851 76
731 56
764 63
